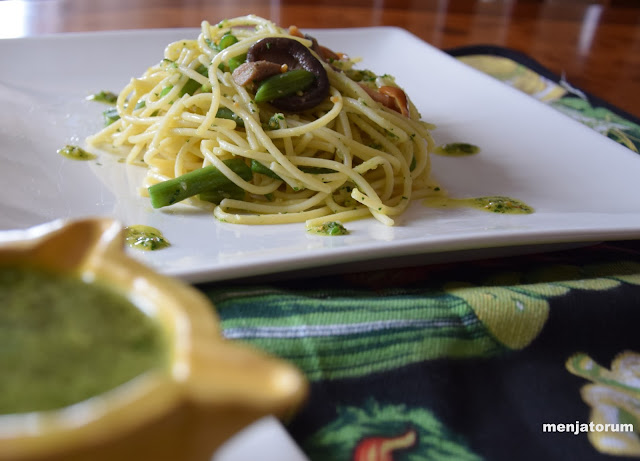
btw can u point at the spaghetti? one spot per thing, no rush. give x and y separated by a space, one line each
361 151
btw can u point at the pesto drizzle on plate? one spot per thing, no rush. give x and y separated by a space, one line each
107 97
457 149
330 228
76 153
494 204
145 238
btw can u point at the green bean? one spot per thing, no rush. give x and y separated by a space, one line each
284 84
226 41
236 61
316 170
225 112
111 115
193 85
258 167
230 190
201 181
165 91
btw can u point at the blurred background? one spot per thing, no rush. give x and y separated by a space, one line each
595 43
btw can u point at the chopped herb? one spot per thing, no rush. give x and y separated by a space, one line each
274 121
110 116
361 75
170 63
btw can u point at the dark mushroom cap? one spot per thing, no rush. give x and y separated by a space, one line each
295 55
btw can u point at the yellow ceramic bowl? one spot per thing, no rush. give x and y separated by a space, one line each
211 389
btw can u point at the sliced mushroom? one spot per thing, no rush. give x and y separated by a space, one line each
399 96
255 71
294 55
325 53
392 97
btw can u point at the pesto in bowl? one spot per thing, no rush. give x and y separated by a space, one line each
64 340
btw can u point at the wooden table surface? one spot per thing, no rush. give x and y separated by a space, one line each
595 44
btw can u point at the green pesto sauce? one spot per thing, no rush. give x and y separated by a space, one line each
63 341
145 238
76 153
494 204
107 97
457 149
330 228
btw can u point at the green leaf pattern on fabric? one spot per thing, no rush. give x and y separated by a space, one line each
513 316
375 430
346 336
515 308
559 95
602 120
354 332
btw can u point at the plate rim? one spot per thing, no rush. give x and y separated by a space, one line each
407 246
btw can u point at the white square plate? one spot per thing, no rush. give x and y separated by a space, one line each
583 186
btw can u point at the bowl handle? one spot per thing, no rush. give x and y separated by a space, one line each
232 373
66 245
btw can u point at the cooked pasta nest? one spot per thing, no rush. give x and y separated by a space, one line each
353 155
